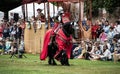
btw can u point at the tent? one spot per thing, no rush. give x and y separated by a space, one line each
30 9
1 15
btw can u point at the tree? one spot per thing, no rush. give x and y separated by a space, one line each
109 5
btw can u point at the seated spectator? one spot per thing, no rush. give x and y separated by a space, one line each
77 51
106 55
113 45
7 45
83 47
106 42
95 54
116 54
1 48
89 47
6 32
13 49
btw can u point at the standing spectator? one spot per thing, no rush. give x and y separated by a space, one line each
94 29
22 25
19 32
99 31
51 21
14 32
117 28
110 35
1 30
106 27
40 15
6 32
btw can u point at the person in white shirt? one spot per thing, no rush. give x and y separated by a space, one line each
110 34
106 42
95 52
107 55
106 27
117 28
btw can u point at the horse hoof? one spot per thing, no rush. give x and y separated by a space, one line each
67 64
54 64
49 63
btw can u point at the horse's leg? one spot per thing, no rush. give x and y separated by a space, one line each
49 55
67 62
64 59
50 61
53 62
52 56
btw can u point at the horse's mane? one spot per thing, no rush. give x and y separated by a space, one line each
67 28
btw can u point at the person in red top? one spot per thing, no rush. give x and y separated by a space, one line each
94 29
1 30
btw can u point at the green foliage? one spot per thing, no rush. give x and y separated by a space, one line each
109 5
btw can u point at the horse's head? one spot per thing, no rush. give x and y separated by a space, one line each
69 28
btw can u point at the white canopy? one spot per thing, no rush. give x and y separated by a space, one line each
30 10
1 15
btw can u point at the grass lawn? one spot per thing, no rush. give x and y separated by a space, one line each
32 65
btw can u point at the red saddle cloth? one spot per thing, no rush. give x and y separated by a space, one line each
64 43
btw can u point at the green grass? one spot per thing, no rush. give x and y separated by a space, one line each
32 65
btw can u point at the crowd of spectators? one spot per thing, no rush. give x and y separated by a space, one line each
105 42
104 45
11 36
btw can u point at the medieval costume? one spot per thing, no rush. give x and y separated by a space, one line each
63 42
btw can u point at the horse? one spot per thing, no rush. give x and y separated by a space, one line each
58 44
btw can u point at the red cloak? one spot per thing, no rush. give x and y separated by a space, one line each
43 54
64 43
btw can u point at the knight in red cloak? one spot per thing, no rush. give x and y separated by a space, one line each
63 42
